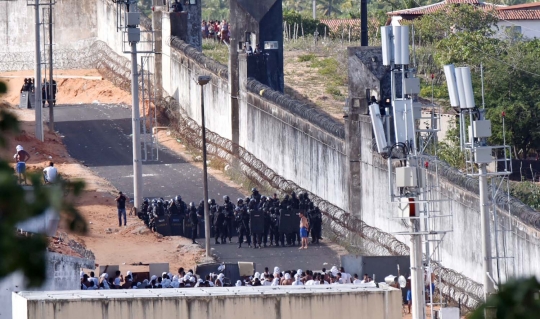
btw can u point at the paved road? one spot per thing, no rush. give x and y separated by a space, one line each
100 137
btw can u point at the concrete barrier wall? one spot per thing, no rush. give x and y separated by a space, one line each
185 64
63 273
292 146
461 248
286 302
17 25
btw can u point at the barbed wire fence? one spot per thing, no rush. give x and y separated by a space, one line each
337 222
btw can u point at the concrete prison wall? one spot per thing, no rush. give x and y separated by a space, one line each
77 26
286 302
294 139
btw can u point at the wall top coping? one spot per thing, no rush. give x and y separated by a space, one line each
200 292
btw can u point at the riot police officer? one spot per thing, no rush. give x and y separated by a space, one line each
274 226
284 202
212 211
257 235
229 217
220 226
315 224
267 223
281 235
152 215
200 208
194 219
173 208
252 204
295 202
181 205
255 195
242 224
158 209
144 209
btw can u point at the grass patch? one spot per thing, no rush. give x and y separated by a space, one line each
216 51
334 91
330 69
307 58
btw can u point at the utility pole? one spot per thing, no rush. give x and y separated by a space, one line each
133 33
363 23
202 81
51 88
314 9
37 78
417 272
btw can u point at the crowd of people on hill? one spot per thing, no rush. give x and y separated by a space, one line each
188 279
260 221
217 30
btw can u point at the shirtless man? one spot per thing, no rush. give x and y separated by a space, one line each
21 157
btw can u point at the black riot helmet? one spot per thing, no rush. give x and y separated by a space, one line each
226 199
211 201
192 204
145 201
178 199
240 201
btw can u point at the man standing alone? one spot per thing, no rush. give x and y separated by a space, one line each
121 205
21 157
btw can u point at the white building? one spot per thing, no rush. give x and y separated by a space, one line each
521 19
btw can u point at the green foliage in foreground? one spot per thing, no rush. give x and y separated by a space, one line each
516 299
27 253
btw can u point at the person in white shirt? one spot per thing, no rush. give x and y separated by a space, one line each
297 280
50 173
94 279
345 276
356 281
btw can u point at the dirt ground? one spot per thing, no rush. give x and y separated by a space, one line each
303 83
110 244
74 87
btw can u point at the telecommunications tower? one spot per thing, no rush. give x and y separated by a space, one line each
406 135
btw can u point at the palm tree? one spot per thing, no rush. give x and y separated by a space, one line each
329 7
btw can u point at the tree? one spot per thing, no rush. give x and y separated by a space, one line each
451 20
308 24
516 299
27 253
330 8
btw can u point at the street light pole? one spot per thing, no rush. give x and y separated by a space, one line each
51 88
202 81
37 83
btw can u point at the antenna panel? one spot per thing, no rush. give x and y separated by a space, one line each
398 58
386 42
378 128
403 121
450 73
